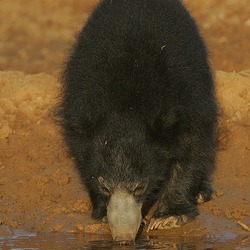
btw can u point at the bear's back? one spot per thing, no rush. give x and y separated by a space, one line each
136 56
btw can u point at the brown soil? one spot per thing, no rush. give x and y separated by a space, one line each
39 189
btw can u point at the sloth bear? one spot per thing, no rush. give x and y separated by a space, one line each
138 114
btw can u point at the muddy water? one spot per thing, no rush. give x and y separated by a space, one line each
31 241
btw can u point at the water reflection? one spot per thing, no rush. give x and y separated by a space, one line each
152 243
21 240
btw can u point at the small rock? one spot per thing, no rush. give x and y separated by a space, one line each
218 193
82 206
64 180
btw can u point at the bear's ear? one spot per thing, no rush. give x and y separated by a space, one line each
166 126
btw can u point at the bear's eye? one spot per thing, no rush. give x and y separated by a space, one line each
140 188
105 190
103 187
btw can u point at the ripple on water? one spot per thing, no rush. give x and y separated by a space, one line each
20 240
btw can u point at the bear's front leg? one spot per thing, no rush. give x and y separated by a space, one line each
99 203
178 200
99 211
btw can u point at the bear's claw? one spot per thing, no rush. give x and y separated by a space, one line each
200 199
166 223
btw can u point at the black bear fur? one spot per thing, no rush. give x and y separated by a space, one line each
138 104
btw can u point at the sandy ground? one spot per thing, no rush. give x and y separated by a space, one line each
39 189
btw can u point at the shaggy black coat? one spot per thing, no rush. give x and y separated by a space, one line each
138 105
